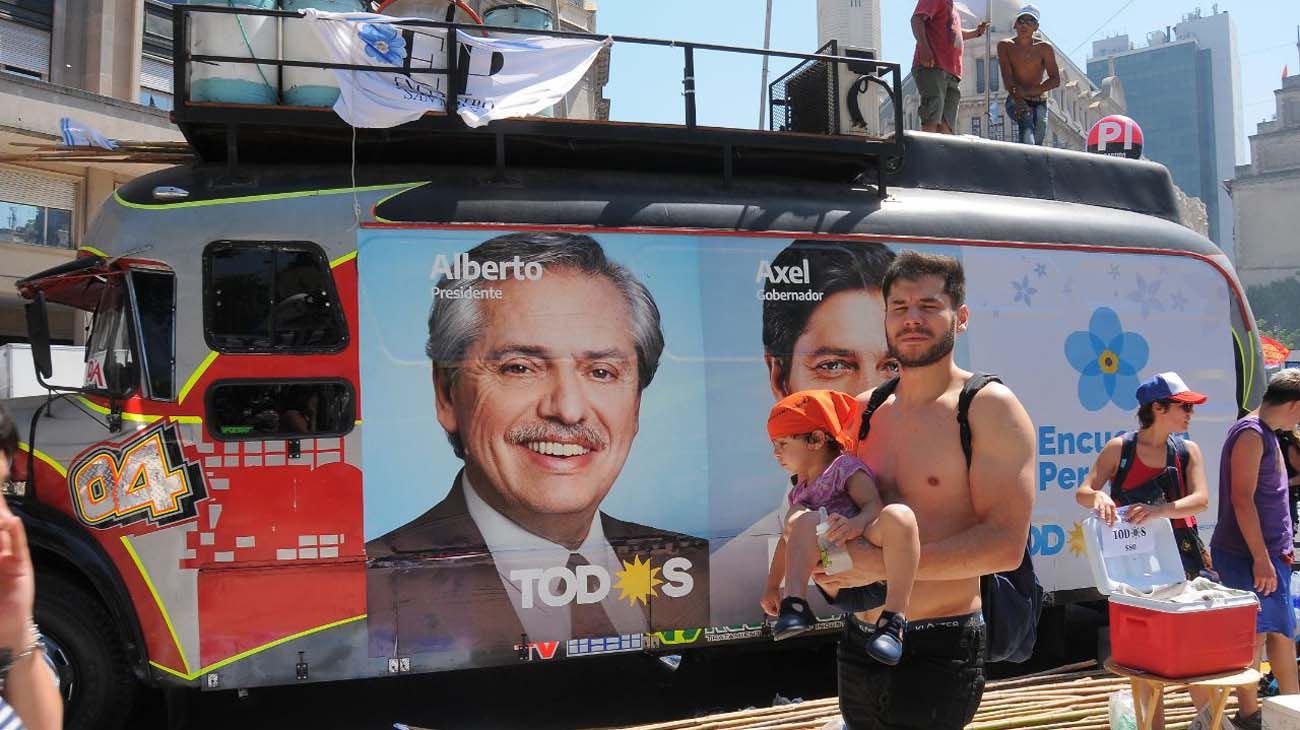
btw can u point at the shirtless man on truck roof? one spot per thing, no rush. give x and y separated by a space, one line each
972 522
1024 59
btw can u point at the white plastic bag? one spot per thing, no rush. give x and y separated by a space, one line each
1122 714
1202 721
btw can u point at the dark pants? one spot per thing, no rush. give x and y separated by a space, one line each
937 685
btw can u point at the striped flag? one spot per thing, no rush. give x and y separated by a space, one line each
79 135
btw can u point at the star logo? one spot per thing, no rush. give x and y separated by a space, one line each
637 581
1075 540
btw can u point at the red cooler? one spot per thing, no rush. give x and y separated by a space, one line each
1168 638
1183 639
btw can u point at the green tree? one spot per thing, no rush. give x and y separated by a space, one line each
1277 309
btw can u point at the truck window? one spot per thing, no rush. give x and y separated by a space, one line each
270 297
110 360
264 409
155 302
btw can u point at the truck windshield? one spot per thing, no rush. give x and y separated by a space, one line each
110 361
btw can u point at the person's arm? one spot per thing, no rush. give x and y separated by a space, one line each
978 31
1247 453
1091 494
1292 455
923 49
771 601
1053 72
28 688
864 494
1002 495
1194 503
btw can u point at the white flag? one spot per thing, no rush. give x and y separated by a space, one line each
79 135
502 77
533 74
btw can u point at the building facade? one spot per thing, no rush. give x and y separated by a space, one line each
107 64
90 61
851 25
1265 195
1183 88
1073 107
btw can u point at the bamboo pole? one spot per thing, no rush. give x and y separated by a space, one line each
1073 700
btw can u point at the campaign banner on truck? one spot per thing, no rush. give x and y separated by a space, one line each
565 432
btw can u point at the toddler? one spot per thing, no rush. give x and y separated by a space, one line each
812 434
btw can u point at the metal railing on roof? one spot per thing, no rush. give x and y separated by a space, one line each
883 74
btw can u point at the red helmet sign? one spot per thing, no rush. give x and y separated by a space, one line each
1116 135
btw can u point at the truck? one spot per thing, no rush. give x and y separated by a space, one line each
371 402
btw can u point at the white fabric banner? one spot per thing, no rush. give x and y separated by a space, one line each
76 134
500 77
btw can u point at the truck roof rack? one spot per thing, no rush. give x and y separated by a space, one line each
231 133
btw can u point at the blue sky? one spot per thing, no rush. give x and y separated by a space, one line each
645 83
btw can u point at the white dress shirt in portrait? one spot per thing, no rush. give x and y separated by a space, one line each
522 554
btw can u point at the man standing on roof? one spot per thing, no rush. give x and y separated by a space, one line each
936 67
1252 545
1024 59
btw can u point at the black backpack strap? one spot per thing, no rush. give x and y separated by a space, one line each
968 391
1177 456
878 397
1127 453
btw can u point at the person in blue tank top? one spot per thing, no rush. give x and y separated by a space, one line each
1252 545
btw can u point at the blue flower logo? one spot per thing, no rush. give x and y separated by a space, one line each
1108 360
384 43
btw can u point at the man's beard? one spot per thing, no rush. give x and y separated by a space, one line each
937 351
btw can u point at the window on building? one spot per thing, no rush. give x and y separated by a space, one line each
975 126
24 43
270 297
997 128
38 13
995 75
155 82
979 76
36 209
285 409
156 53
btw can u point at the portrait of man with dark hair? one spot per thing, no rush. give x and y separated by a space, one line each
541 348
822 329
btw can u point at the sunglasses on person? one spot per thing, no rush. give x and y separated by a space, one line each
1187 407
1027 20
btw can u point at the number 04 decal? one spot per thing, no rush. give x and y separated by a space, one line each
145 478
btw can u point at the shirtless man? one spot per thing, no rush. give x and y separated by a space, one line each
1024 59
972 522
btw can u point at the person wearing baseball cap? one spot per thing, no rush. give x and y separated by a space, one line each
1156 473
1025 58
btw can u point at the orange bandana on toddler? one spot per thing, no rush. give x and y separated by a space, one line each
816 410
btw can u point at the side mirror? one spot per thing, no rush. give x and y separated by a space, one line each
38 331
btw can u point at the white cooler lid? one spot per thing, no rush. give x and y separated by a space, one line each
1142 571
1236 599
